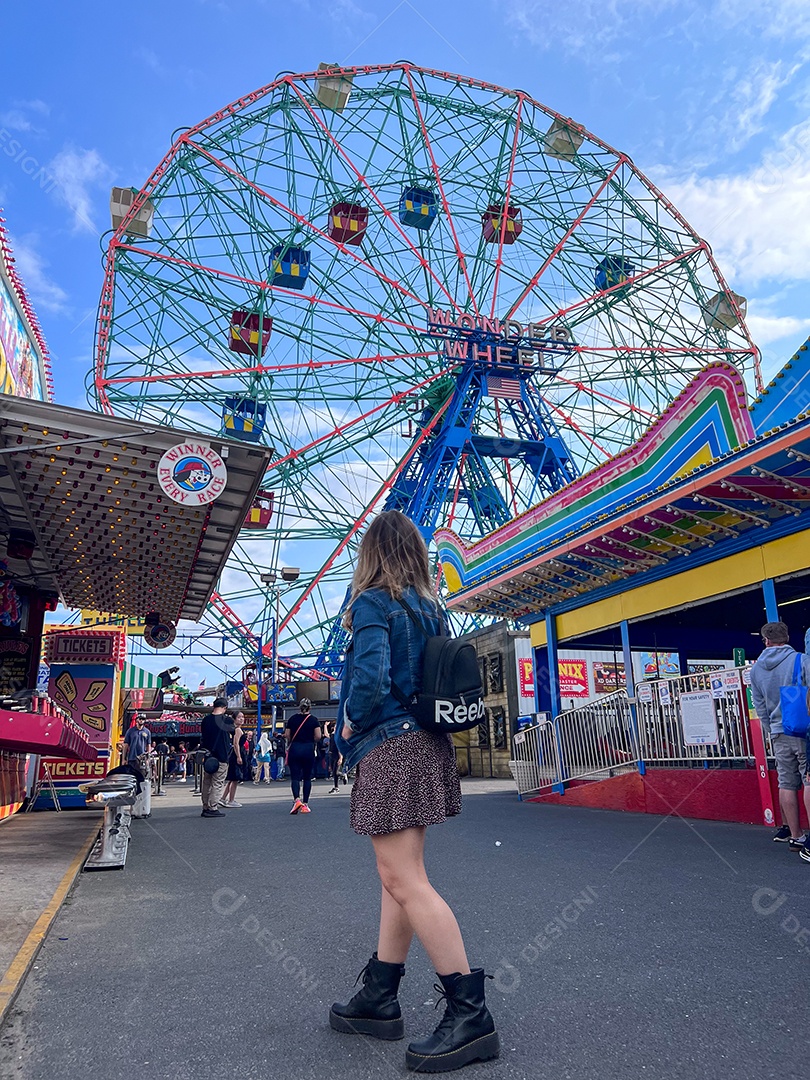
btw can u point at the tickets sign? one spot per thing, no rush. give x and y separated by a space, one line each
62 769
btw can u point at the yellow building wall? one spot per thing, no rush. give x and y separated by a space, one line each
775 559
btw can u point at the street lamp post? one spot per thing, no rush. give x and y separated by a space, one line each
259 656
289 574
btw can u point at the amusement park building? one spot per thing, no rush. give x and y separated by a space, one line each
86 520
682 546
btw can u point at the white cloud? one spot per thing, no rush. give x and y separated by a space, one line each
586 26
756 220
753 96
766 329
772 18
77 173
580 26
19 118
46 294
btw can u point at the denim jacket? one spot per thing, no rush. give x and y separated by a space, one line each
386 647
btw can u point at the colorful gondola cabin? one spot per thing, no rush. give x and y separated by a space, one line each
244 335
243 418
418 207
493 225
261 511
289 266
348 222
613 270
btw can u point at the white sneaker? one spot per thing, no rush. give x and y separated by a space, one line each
231 804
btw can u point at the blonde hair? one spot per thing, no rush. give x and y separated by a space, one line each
392 556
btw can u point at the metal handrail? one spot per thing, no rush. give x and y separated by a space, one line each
615 735
661 730
596 740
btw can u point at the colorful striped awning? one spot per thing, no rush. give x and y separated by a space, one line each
137 678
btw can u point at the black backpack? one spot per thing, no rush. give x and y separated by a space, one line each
452 697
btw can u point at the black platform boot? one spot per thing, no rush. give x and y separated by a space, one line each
374 1010
466 1032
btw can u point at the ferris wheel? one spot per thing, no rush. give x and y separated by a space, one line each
354 264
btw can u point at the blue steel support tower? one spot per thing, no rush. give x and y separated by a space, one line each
451 467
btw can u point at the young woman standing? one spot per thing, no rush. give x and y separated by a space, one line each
302 733
406 780
235 763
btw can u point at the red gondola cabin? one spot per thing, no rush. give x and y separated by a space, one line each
348 222
491 223
261 511
244 336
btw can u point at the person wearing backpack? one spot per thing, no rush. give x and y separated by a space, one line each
777 670
400 665
302 733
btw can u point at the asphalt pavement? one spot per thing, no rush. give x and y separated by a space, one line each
622 946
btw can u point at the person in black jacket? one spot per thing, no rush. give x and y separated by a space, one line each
280 750
217 732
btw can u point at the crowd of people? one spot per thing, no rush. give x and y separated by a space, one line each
296 756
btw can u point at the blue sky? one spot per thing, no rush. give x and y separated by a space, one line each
710 99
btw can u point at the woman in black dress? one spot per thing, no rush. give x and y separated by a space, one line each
302 733
235 763
406 780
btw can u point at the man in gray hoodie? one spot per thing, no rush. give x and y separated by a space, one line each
772 671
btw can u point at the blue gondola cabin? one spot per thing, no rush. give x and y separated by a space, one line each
243 418
492 224
348 222
418 207
289 267
612 271
244 336
261 511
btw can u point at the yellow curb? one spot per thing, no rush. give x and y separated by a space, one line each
12 981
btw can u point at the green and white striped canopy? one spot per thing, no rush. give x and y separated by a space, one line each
137 678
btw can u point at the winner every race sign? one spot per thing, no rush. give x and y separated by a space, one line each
192 473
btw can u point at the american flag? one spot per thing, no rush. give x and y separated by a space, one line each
501 386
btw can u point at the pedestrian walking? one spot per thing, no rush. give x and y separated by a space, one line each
280 748
406 780
138 745
216 733
236 764
182 758
774 669
264 759
302 734
335 759
249 755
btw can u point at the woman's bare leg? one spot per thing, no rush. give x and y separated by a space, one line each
396 932
400 864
